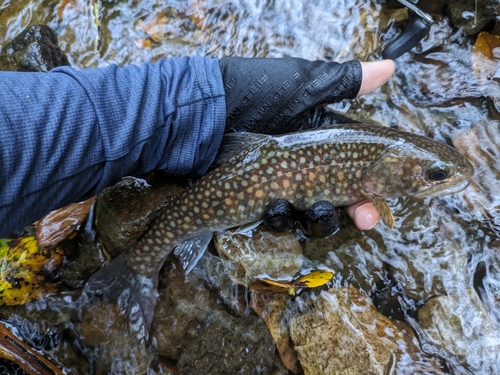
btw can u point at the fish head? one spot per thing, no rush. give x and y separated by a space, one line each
418 169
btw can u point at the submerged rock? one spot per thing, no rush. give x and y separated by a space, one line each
35 49
431 270
459 328
341 332
194 328
124 211
265 254
473 15
229 345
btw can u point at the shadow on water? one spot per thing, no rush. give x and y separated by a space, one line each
438 270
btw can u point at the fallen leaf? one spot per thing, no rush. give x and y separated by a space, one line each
143 43
60 224
23 268
314 279
486 45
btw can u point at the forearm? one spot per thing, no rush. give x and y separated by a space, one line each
68 134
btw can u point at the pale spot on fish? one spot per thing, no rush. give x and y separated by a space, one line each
259 193
286 184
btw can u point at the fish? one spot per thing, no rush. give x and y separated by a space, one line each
343 164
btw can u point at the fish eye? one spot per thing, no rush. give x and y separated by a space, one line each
437 173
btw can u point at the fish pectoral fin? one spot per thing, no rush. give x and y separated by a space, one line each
383 209
190 251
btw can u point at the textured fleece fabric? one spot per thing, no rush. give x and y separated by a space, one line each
67 134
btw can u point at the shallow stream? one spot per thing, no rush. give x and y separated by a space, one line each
440 247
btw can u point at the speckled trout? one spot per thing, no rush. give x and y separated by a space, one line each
342 164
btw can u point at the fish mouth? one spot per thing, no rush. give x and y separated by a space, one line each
445 188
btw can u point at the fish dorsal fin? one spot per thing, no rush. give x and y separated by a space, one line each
235 143
383 209
190 251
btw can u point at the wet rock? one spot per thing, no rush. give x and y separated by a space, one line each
229 345
272 309
431 271
341 332
350 253
115 346
124 211
192 326
183 308
472 15
459 328
414 361
275 255
212 269
35 49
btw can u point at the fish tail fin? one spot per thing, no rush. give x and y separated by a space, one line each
118 313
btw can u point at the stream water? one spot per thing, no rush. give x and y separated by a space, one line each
441 246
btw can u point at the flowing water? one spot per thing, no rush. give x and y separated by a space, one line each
441 246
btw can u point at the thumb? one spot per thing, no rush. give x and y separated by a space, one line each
375 74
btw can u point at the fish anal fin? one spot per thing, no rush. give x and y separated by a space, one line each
190 251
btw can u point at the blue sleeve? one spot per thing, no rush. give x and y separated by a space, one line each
65 135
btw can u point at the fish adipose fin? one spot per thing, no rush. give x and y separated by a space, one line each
383 209
190 251
118 310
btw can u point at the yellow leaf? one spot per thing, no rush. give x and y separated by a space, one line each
22 269
485 43
314 279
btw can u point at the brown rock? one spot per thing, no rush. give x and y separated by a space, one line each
429 271
342 333
35 49
229 345
183 307
472 15
276 255
459 326
124 211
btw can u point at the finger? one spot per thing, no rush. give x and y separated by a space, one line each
364 214
375 74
